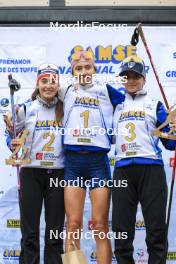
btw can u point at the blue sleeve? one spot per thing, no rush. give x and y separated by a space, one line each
117 96
161 118
8 139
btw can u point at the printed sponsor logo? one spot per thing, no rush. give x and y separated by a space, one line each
102 94
76 132
11 254
13 223
4 102
84 140
141 256
39 156
172 162
134 153
50 156
46 163
93 256
140 225
112 161
123 147
171 255
90 225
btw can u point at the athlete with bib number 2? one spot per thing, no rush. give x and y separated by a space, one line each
39 116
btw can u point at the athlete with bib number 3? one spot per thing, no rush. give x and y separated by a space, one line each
139 161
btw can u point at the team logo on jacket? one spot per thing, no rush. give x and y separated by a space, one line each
32 114
132 115
90 225
140 253
87 101
149 106
102 94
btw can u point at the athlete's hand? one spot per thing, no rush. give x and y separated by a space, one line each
8 119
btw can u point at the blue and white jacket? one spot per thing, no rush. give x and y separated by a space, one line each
134 120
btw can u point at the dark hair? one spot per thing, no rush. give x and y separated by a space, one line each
59 111
35 93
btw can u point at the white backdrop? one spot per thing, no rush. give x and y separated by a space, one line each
21 51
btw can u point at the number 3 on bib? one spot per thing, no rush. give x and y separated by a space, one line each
131 131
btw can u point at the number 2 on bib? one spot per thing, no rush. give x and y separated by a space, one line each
47 147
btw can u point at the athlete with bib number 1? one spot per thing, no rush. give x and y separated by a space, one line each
88 112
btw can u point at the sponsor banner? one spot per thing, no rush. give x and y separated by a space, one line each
20 57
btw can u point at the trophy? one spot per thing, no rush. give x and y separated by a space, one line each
11 129
14 158
171 121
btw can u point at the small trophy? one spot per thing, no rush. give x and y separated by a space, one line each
14 159
171 120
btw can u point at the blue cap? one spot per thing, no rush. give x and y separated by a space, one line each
133 64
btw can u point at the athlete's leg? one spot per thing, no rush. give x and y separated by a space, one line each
74 207
100 199
124 201
31 198
54 216
153 198
99 173
74 197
